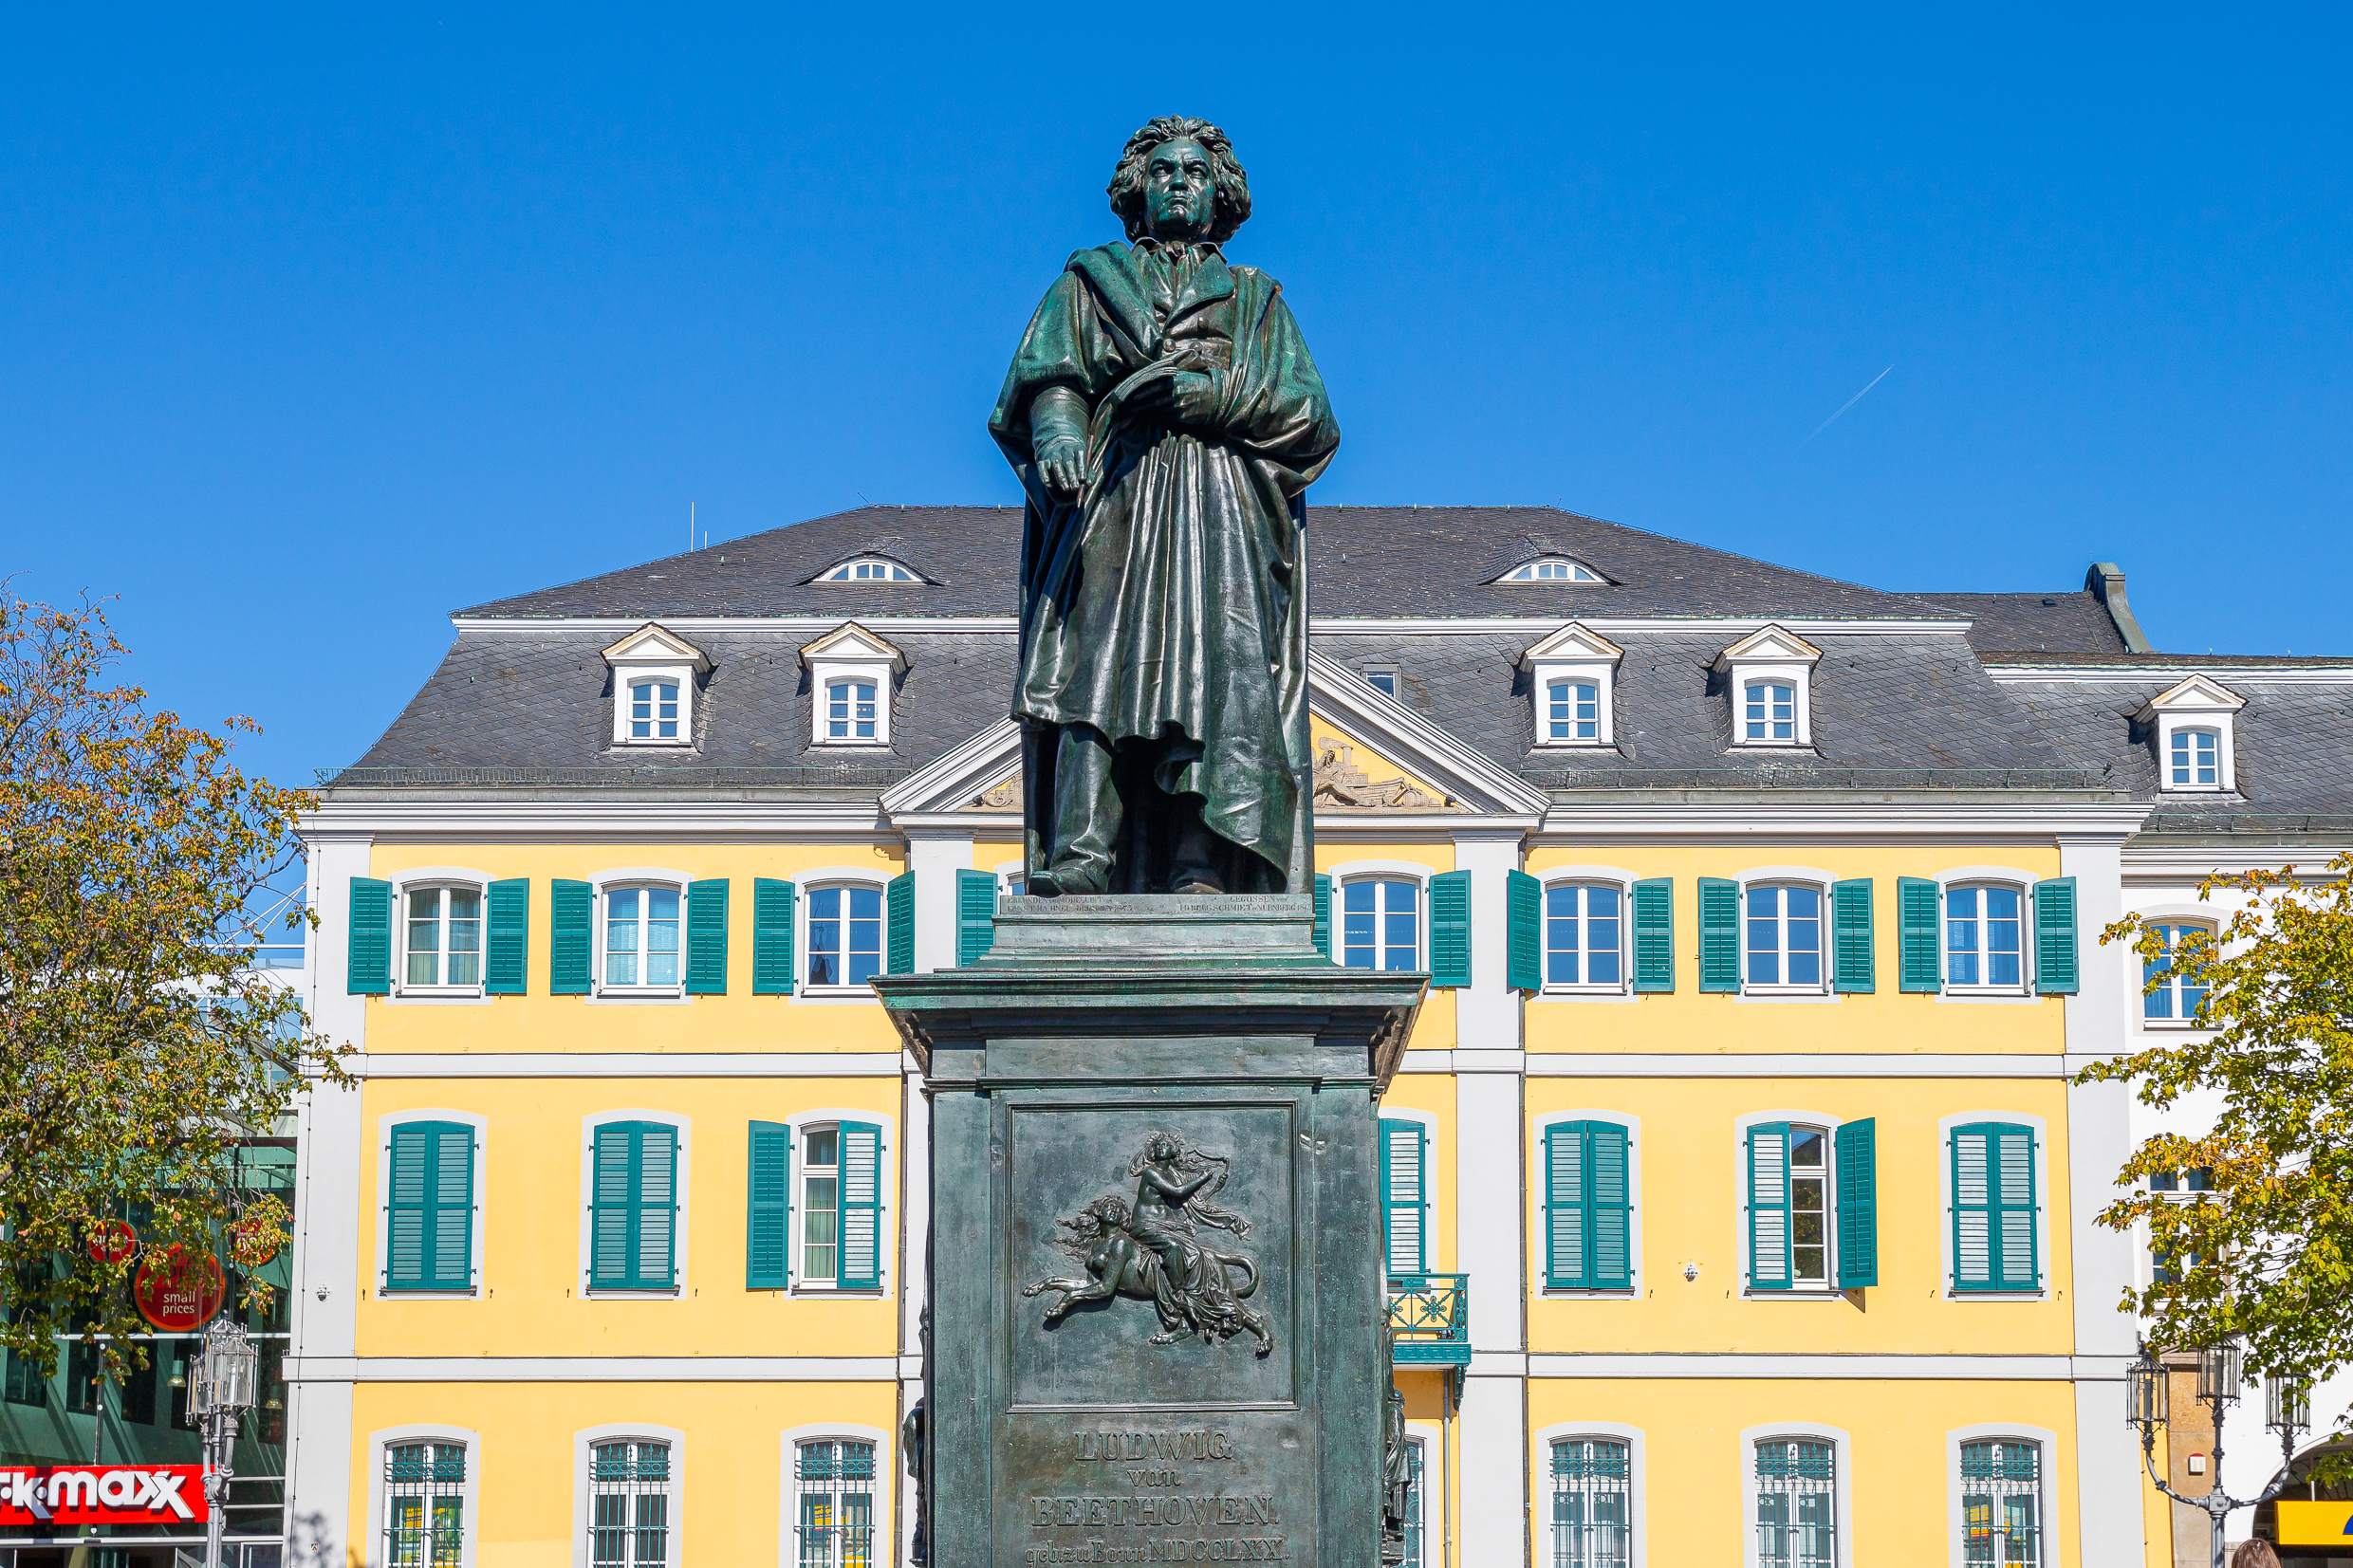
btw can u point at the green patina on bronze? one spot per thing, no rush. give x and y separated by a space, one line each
1166 420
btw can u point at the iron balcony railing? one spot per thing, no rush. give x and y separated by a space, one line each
1429 1320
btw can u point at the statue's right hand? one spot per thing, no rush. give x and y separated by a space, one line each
1062 461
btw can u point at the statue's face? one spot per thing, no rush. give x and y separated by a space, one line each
1181 194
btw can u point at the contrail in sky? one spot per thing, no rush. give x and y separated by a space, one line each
1849 403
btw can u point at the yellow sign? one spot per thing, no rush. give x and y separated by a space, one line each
2315 1523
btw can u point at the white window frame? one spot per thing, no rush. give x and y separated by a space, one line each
1635 1283
1361 871
1375 674
1609 876
810 883
2204 915
622 880
1428 1122
2020 881
481 1125
1638 1544
850 686
830 576
654 653
2045 1496
1842 1461
584 1445
1830 1126
1773 654
849 651
2046 1263
2196 703
679 1237
468 1489
788 1508
798 1126
1787 876
416 880
1524 574
1574 653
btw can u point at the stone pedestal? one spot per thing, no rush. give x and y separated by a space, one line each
1251 1430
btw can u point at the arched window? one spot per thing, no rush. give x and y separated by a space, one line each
1984 946
444 937
1796 1503
1592 1504
1381 923
629 1523
653 709
2178 997
1768 714
1783 939
1552 569
844 934
1584 937
424 1504
870 569
833 1490
641 929
850 709
2002 1500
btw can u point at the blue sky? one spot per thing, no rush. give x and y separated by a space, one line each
315 324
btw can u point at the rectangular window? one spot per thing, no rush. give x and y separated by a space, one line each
1583 935
1378 921
2193 759
429 1208
1592 1503
1796 1504
2176 996
1809 1209
1994 1245
425 1505
1785 937
445 937
1982 927
834 1484
1573 710
629 1505
654 710
2001 1502
26 1385
821 1203
641 937
1404 1196
634 1206
1383 681
850 711
1588 1207
845 935
1770 711
1790 1208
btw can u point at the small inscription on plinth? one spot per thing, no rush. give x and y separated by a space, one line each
1185 1494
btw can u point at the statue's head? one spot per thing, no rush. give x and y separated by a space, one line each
1160 1148
1177 179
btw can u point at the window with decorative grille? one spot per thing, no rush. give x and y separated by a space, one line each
1591 1503
2002 1503
835 1484
629 1505
1413 1504
1796 1503
425 1505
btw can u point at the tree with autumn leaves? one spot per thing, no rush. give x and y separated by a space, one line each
2264 1254
137 1050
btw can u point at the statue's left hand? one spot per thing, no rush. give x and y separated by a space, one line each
1192 398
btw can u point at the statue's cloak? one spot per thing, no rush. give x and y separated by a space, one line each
1168 600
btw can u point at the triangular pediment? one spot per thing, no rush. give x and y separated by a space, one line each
1574 641
2198 694
982 776
851 643
1769 644
654 644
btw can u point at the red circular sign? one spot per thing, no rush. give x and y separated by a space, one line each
178 1291
111 1241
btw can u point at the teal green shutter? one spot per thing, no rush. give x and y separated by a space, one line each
861 1206
1719 934
899 916
1324 915
1404 1197
429 1211
508 949
977 914
1654 935
634 1204
1565 1204
772 936
1921 966
1769 1206
1856 1151
370 964
570 906
1850 919
768 1207
1609 1215
1523 932
2054 938
1449 928
706 937
1994 1245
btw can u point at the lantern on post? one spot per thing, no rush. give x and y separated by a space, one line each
2145 1403
2287 1407
2220 1369
218 1396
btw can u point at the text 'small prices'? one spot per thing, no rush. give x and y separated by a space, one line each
101 1494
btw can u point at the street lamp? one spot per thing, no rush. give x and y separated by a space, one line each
2286 1411
218 1396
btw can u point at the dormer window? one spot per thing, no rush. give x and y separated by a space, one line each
1574 671
2193 725
870 568
851 673
1771 683
654 672
1551 568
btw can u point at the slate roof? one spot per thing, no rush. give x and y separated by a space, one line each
2072 622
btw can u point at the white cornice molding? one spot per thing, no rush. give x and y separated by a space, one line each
1898 822
1763 1064
1808 1368
575 821
809 625
2145 675
978 764
592 1369
2193 863
654 1064
793 625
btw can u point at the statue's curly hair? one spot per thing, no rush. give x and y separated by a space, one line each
1126 189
